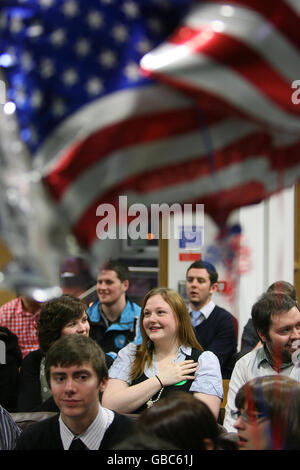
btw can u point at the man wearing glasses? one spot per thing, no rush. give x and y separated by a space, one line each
267 414
276 318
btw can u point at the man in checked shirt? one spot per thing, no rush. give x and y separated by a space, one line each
19 316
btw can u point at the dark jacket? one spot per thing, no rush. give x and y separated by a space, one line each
218 334
45 435
9 370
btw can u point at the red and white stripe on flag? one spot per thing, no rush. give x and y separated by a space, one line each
217 127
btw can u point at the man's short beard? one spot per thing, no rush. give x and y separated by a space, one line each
279 356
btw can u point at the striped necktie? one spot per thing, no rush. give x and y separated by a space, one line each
197 317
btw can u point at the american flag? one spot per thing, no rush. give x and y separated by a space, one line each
160 100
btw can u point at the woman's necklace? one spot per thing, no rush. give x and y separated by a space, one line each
150 402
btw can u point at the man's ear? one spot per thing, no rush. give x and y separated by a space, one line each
125 285
261 336
103 384
213 288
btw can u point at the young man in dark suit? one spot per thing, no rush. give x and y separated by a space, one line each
215 327
76 371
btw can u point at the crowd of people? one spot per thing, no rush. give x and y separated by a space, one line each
117 375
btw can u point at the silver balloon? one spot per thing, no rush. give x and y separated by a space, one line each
29 225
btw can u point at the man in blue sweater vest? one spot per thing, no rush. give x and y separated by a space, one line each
215 327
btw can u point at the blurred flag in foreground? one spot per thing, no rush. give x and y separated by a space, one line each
163 101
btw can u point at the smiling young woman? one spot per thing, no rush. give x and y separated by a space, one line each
61 316
169 358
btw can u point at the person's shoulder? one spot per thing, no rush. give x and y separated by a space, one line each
10 305
221 311
11 341
36 434
249 323
33 357
7 334
135 307
131 312
5 415
93 311
31 362
125 417
41 426
249 358
127 353
93 305
124 420
13 301
222 318
129 349
207 355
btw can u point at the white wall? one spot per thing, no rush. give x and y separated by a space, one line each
269 230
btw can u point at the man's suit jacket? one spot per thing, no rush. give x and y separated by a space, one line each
45 435
218 334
